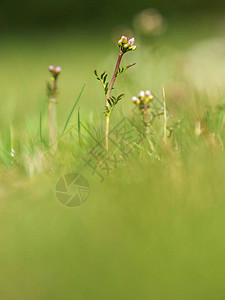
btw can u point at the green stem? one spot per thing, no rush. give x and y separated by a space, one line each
108 96
165 115
52 136
146 114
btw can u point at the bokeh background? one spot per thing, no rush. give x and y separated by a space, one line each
24 13
152 230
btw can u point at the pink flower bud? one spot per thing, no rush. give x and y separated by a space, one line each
124 39
133 48
51 68
58 70
131 42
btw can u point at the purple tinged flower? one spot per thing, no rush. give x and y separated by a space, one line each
124 39
51 68
148 93
58 70
131 42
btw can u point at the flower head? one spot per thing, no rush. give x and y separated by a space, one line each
55 71
124 39
143 98
51 68
133 47
58 69
126 45
141 94
131 42
135 100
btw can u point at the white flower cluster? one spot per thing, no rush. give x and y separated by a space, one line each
143 97
126 45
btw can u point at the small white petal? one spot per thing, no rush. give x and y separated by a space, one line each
142 94
148 93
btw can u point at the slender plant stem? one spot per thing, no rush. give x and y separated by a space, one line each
146 114
165 115
108 96
52 136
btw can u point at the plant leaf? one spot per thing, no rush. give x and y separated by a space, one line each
74 106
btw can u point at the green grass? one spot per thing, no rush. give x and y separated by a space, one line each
154 228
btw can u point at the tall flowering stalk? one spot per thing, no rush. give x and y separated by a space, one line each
52 100
142 102
125 46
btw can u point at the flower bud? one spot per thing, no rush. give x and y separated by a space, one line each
149 96
142 94
133 48
51 68
120 42
124 39
58 70
134 99
125 46
131 42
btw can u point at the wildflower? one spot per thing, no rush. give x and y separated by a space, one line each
51 68
58 70
131 42
142 102
135 100
141 94
126 45
55 71
148 96
124 39
143 98
52 91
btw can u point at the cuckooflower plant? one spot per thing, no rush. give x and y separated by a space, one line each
52 91
142 102
125 46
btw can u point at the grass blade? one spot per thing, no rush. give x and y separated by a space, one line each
41 137
88 132
79 132
72 110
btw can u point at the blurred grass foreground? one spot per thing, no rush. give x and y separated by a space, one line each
154 228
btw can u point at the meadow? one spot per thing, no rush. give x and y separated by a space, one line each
153 229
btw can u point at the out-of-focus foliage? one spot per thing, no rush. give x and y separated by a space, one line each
59 12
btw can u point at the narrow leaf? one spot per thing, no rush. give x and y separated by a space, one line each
72 110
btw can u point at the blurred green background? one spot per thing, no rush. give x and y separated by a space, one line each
59 13
153 229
